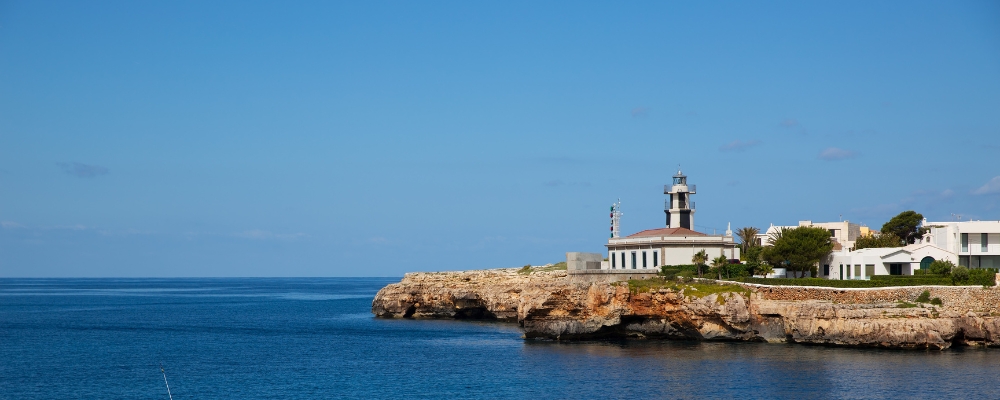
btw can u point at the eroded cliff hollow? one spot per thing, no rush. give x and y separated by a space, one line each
549 305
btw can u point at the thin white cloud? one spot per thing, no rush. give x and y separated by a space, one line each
836 154
789 123
81 170
259 234
993 186
640 112
739 145
10 225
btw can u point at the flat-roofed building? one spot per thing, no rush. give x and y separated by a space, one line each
652 248
977 243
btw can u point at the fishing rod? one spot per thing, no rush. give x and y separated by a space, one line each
165 382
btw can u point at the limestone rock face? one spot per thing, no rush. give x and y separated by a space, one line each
548 305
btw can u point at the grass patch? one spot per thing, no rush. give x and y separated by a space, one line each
559 266
690 288
527 269
905 304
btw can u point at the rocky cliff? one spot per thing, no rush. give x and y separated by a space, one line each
549 305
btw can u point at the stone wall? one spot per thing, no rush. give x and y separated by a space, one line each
966 298
609 275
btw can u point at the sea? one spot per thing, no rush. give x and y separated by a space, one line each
316 338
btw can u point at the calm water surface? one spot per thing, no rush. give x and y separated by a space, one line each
316 338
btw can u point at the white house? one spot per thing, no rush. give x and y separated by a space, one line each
976 243
652 248
864 263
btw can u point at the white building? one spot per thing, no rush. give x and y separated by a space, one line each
674 245
843 233
976 243
864 263
652 248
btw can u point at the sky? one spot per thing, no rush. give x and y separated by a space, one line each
244 138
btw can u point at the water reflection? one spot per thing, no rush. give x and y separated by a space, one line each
761 370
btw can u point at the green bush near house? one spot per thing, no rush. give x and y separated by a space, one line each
873 283
678 271
959 275
925 297
913 280
982 276
936 301
941 267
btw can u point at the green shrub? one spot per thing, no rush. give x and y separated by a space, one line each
982 276
815 282
920 272
904 304
910 280
959 275
924 297
674 271
941 267
850 283
936 301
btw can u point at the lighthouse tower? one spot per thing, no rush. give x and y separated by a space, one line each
679 207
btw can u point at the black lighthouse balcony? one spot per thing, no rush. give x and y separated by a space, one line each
682 205
693 189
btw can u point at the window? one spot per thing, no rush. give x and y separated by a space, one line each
983 244
644 260
857 271
612 260
623 260
633 260
656 260
833 232
965 242
826 270
841 271
895 269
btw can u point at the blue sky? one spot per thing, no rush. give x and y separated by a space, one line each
371 139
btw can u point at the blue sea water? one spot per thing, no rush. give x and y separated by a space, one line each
316 338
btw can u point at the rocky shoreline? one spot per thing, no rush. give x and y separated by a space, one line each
548 305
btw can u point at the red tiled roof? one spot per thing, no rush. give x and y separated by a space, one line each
666 232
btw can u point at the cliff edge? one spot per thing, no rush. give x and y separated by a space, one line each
548 305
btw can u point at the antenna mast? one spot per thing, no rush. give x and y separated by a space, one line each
165 382
616 217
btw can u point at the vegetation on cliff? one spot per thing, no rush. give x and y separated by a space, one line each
689 286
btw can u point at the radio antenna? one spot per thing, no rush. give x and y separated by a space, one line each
165 382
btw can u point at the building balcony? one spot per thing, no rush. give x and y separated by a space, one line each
692 189
682 205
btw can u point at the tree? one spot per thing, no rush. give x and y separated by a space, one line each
752 259
906 226
882 239
799 249
699 259
773 237
719 263
748 238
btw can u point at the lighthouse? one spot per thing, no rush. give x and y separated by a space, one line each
678 206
